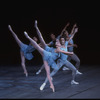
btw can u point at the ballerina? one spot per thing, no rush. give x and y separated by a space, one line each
25 50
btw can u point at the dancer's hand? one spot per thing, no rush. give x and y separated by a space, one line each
75 45
68 24
76 30
75 25
71 53
57 50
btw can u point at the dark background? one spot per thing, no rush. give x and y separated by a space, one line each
52 17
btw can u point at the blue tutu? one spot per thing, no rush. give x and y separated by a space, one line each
27 50
50 56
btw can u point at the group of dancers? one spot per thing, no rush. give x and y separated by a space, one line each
56 54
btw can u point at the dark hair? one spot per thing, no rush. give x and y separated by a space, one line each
63 36
51 33
53 45
64 31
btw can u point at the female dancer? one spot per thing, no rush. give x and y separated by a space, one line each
25 50
47 54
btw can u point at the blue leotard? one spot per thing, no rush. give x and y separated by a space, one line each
62 55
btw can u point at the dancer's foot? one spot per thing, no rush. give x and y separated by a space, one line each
52 87
77 72
42 86
26 74
35 25
65 68
39 71
26 35
73 82
9 27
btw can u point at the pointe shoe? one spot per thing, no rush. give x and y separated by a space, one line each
35 25
26 35
52 87
26 74
73 82
9 27
38 72
35 21
42 86
77 72
65 68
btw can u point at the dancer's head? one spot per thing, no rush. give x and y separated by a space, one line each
35 39
62 40
57 43
65 34
53 37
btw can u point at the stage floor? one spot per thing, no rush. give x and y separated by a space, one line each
14 84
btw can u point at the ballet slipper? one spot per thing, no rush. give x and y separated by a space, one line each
52 87
35 25
26 74
26 35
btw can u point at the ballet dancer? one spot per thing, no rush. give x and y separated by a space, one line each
62 62
25 50
73 57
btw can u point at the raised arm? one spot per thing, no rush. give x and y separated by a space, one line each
73 28
75 31
64 28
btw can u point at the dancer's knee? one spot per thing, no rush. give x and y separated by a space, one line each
23 64
74 71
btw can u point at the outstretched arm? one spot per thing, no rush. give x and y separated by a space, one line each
72 31
64 28
49 44
67 53
75 31
72 45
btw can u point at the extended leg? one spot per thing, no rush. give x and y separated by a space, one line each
74 70
40 35
15 36
34 44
